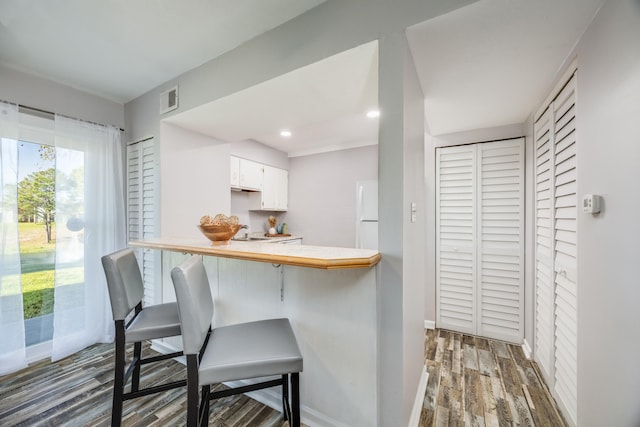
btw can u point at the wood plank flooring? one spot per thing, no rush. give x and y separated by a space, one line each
77 391
475 381
472 382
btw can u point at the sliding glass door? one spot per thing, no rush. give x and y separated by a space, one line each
62 209
37 238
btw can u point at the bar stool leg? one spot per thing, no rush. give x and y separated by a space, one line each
295 400
118 380
193 411
286 409
137 357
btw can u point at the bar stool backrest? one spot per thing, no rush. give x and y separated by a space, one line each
126 288
195 304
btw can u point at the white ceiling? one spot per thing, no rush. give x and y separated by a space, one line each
490 63
485 65
324 105
121 49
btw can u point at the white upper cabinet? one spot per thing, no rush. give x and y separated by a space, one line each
235 172
275 190
246 174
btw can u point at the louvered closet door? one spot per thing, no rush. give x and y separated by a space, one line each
455 237
565 262
501 239
141 211
544 342
556 254
480 236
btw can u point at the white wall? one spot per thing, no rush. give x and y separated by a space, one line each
413 231
260 153
608 96
322 194
194 181
31 91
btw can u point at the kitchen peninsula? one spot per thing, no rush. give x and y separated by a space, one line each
330 295
325 257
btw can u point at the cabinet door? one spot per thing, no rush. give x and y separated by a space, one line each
235 172
275 189
269 188
250 175
282 189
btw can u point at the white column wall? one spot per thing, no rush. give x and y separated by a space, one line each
608 99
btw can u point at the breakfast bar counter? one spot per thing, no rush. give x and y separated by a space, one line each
330 295
324 257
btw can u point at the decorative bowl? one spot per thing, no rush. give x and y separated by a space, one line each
220 234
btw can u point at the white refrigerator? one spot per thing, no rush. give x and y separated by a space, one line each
367 214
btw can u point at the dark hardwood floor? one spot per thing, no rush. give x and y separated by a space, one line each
472 382
475 381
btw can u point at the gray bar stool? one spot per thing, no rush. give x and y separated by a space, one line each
229 353
126 291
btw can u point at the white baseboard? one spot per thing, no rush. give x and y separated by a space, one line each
417 404
272 398
429 324
526 348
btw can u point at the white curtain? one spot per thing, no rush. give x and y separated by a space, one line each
90 222
12 343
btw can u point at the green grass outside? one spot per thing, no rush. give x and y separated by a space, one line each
38 276
37 289
38 270
37 294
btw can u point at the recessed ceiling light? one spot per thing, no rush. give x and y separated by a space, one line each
286 133
372 114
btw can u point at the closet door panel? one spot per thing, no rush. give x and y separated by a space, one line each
556 251
565 250
500 239
455 230
545 339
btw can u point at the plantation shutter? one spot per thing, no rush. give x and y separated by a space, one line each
556 251
544 343
501 239
565 253
455 236
142 196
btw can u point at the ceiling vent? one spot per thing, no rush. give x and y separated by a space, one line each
169 100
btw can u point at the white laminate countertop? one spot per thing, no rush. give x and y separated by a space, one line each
324 257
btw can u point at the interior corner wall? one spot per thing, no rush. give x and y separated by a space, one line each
608 107
413 231
25 89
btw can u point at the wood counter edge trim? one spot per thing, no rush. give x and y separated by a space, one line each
326 264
